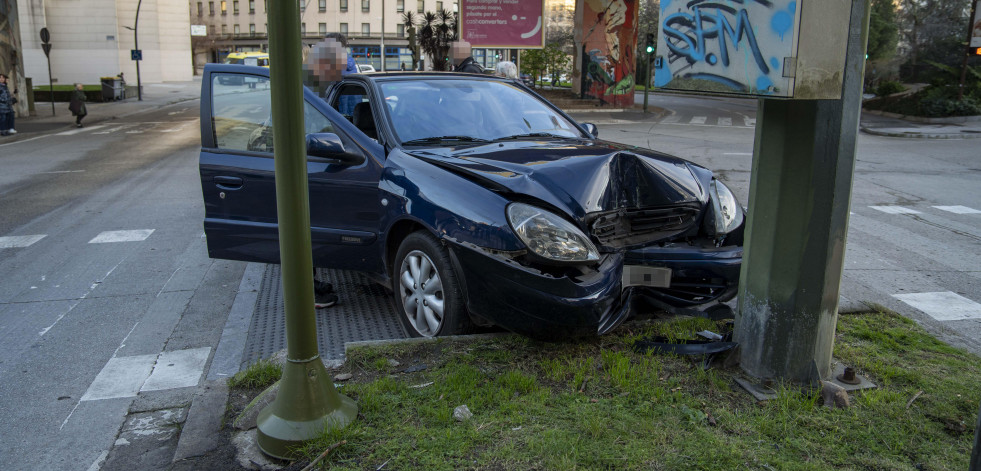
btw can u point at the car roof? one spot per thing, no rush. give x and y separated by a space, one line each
427 75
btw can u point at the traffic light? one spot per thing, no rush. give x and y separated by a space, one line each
650 43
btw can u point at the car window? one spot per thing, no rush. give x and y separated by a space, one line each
347 98
479 109
242 113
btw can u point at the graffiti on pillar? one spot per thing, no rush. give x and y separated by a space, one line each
736 46
607 55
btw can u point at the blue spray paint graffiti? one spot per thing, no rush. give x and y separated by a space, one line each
721 41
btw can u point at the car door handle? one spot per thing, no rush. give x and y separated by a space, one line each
229 183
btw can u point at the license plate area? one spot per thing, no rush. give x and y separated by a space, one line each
651 277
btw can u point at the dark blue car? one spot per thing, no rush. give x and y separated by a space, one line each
475 200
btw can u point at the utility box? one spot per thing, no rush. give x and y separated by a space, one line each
760 48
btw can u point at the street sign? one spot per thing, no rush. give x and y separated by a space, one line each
47 49
199 30
136 54
45 35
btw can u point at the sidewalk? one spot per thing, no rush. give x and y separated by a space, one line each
890 126
155 95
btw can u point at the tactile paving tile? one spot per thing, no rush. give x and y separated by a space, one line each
364 312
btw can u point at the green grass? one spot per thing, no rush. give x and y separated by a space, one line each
68 88
258 375
596 404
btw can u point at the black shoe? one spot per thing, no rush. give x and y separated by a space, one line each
78 125
322 287
321 301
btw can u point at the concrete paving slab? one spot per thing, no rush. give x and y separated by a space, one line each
121 377
177 369
200 432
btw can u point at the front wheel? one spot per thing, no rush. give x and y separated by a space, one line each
428 298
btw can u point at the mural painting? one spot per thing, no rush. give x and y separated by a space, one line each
728 46
607 52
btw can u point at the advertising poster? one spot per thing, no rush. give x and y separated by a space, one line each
608 57
503 23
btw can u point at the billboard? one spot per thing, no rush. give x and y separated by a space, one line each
503 23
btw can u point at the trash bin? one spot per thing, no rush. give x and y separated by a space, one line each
112 89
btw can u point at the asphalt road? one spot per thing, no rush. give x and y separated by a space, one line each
914 239
109 303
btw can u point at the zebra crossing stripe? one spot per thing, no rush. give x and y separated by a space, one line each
122 236
698 120
17 242
958 209
895 210
79 130
671 119
725 121
942 306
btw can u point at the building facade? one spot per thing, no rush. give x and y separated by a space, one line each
93 38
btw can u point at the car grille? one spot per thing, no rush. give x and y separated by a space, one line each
626 227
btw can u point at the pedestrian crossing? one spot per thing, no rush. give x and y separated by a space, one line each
143 127
106 237
711 121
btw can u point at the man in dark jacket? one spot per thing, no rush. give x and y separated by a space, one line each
7 101
462 60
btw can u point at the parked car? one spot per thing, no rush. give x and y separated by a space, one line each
247 58
475 200
527 79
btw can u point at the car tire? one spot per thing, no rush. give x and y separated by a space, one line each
428 298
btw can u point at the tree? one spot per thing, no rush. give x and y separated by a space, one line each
436 31
534 62
926 24
883 30
410 19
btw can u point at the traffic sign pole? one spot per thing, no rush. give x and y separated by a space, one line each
46 46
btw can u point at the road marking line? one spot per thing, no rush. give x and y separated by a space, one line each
943 306
117 128
78 130
134 132
122 236
725 121
17 242
895 210
671 119
698 120
749 122
61 171
177 369
958 209
121 377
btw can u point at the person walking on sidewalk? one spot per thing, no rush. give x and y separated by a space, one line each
7 101
77 105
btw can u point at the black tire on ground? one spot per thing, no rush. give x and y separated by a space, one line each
423 278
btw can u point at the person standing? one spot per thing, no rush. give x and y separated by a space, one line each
77 105
7 101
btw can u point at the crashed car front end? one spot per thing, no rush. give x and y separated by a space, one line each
582 257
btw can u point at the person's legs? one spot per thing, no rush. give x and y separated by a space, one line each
78 120
3 124
323 293
10 123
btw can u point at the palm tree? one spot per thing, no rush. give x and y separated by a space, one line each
436 31
410 19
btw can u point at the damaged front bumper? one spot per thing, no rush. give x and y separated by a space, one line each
540 304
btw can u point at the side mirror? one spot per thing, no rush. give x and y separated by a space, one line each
329 146
591 128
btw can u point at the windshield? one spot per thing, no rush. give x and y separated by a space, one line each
469 110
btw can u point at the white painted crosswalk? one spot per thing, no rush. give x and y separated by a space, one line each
958 209
121 236
895 209
943 306
11 242
721 121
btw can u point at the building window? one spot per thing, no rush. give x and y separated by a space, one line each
211 8
400 6
252 29
322 6
343 28
235 7
365 6
252 7
200 8
303 5
343 5
322 28
365 29
400 29
420 6
224 30
303 29
236 30
211 30
224 7
439 6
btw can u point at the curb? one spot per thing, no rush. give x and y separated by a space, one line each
919 135
920 119
204 420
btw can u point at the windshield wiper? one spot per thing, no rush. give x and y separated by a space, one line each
438 139
534 134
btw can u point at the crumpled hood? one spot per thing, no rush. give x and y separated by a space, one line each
582 177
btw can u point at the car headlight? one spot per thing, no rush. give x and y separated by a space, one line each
728 213
550 236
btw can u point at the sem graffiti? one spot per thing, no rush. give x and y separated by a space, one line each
738 44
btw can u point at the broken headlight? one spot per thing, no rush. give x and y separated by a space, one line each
549 235
728 213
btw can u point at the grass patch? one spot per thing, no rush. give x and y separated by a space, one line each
258 375
596 404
